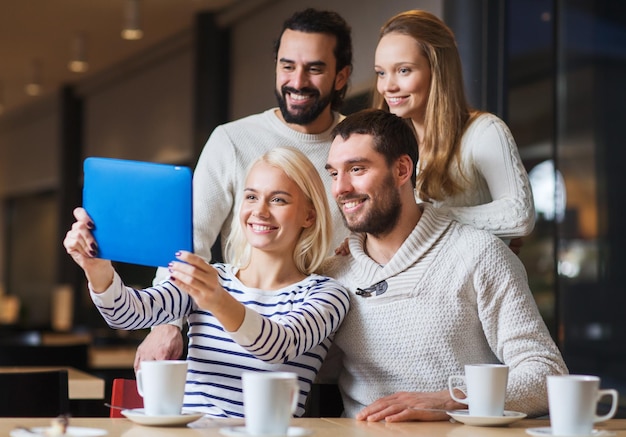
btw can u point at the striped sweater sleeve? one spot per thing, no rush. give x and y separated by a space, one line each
282 337
127 308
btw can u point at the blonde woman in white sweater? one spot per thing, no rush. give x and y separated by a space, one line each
469 164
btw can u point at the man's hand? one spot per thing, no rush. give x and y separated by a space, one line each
405 406
164 342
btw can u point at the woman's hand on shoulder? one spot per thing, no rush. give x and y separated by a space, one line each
343 249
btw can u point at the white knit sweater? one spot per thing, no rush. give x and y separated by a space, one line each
456 295
497 196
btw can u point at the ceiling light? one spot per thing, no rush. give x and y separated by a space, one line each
132 29
33 86
78 61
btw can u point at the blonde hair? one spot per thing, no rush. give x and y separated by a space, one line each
447 110
314 242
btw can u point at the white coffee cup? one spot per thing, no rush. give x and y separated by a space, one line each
485 389
573 400
269 401
162 386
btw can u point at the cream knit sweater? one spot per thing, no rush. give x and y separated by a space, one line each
456 295
497 196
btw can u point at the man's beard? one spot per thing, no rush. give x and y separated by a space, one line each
381 218
307 114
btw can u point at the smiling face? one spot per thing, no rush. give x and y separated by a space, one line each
363 185
306 77
274 210
403 76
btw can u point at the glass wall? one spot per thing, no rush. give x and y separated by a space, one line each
567 71
590 150
531 113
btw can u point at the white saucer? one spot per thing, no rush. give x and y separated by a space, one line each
464 417
547 431
240 431
138 415
71 431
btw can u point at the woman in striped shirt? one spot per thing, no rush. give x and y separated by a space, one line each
264 311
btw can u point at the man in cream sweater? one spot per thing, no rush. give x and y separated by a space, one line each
428 294
313 64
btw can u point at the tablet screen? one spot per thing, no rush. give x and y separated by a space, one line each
142 211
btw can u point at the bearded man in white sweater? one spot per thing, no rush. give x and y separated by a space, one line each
313 64
427 294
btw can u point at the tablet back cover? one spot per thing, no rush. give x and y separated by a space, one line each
142 211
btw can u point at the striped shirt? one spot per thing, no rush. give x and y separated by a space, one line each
289 329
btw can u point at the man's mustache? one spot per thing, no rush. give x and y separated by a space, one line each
305 90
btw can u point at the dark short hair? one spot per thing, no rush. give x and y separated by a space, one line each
330 23
393 137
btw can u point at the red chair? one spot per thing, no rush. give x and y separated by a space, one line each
124 394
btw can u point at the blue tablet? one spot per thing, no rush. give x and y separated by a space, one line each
142 211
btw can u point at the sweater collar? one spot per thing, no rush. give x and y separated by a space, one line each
430 227
302 137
